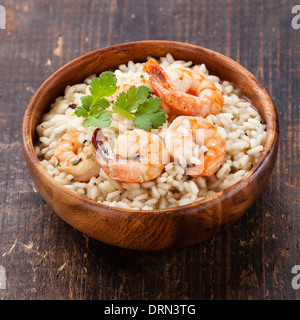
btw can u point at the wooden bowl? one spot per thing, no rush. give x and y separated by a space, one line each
154 229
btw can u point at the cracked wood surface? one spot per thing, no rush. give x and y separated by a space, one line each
44 258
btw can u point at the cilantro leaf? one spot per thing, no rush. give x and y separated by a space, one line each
93 111
86 102
101 120
93 106
124 113
104 86
101 105
81 112
152 103
149 115
136 104
132 98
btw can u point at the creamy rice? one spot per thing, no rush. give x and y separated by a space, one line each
238 123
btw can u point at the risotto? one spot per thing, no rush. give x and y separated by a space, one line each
238 124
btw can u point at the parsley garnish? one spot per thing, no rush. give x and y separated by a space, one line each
149 115
93 106
136 104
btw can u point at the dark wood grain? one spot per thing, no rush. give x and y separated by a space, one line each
45 258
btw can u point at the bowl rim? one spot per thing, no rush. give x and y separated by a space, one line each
272 139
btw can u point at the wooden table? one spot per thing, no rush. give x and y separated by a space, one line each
44 258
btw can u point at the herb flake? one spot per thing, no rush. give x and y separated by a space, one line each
90 155
75 162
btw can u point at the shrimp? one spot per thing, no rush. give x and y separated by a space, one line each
196 141
73 157
138 156
189 92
